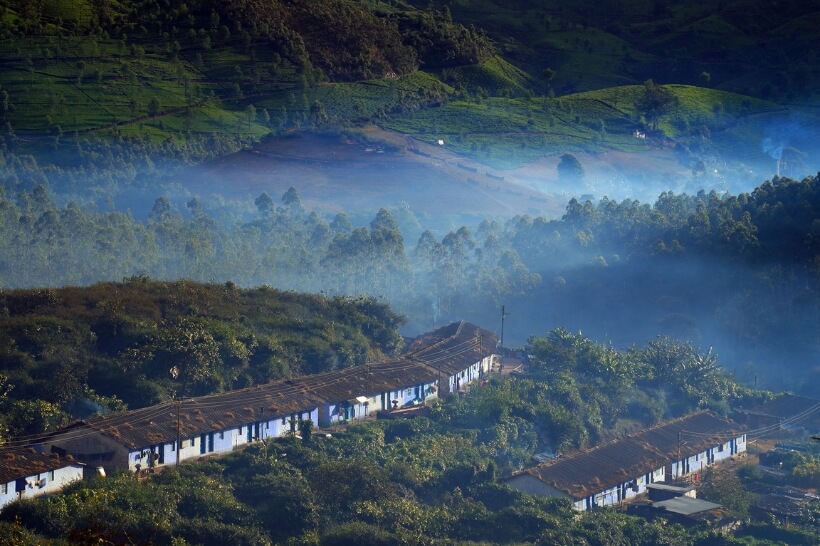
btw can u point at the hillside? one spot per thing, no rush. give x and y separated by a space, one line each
74 351
185 82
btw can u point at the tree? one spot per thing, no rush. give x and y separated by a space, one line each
250 112
548 74
723 486
190 349
318 114
654 103
292 201
264 203
153 106
284 501
570 169
5 388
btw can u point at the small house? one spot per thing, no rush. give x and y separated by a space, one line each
26 473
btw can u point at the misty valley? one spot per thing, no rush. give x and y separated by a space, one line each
401 272
707 268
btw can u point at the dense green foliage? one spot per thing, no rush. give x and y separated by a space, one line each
74 351
420 481
682 266
102 100
185 71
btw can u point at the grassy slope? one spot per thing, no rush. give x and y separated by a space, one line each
508 132
63 85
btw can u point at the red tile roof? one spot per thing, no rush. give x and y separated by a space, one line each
613 463
16 463
453 348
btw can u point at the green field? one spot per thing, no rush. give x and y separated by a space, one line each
68 78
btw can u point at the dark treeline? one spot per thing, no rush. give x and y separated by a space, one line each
736 272
326 39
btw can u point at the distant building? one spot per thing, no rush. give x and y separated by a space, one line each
799 415
689 512
661 491
622 469
26 473
783 503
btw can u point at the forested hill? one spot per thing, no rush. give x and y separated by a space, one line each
737 272
75 351
203 77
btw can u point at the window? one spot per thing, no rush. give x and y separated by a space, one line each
221 435
284 420
51 476
174 445
4 489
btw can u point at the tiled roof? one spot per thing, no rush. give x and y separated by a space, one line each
453 348
16 463
794 410
158 424
613 463
367 380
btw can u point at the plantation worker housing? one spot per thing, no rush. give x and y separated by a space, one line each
622 469
436 364
26 473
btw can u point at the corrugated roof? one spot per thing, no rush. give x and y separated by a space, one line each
608 465
16 463
685 506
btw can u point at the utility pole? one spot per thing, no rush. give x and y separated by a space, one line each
503 314
679 462
481 355
179 403
367 390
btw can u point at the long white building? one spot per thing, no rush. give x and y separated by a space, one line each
619 470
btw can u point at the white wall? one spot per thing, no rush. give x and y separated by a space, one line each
41 484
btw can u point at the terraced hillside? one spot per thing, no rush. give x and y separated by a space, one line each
509 86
